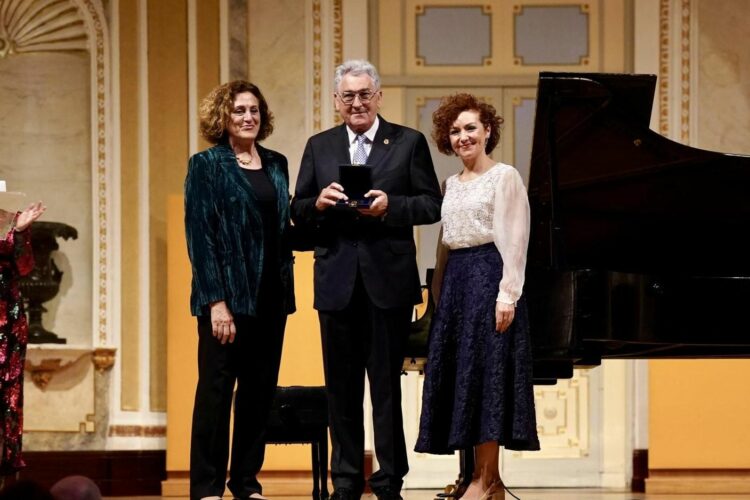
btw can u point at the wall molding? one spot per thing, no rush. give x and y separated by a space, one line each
677 78
699 481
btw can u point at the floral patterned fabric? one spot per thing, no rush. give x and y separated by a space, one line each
16 260
491 207
478 383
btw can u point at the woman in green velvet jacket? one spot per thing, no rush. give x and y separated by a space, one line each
237 228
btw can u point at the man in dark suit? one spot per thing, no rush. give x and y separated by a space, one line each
366 278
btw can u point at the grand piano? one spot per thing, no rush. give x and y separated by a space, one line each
639 245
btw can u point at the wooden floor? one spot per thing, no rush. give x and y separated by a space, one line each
523 494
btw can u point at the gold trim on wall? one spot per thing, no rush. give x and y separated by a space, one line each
99 129
338 42
664 67
685 72
337 55
150 431
681 91
317 65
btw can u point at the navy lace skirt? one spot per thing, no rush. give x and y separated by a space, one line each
478 383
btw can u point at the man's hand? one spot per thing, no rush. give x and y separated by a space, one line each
379 205
329 196
222 322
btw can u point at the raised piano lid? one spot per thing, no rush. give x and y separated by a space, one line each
606 192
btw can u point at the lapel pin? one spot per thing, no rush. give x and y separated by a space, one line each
386 141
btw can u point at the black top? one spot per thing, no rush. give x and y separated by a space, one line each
266 196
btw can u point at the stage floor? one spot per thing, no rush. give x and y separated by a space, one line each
523 494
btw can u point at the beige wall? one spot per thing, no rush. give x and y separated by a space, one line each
723 76
278 66
698 407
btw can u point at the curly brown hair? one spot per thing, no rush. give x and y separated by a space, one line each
453 105
216 108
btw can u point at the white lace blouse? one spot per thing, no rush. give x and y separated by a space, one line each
491 207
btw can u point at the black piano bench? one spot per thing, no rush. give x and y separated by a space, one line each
300 415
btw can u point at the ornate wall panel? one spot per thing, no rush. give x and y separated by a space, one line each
35 26
557 35
535 26
435 46
442 34
562 413
496 37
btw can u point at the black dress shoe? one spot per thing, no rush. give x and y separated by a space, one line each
343 493
387 493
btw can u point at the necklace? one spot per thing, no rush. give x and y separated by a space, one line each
245 163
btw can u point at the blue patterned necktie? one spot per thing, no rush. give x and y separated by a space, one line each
360 154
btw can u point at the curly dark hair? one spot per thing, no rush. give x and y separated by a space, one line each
216 108
453 105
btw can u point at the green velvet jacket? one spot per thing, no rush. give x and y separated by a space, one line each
224 231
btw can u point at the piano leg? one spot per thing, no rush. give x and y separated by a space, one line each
315 451
323 463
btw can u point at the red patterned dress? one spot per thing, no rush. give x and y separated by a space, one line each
16 260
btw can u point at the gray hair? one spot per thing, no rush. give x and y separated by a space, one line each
356 67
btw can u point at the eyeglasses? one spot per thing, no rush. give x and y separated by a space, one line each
365 96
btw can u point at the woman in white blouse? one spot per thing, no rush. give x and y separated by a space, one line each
478 388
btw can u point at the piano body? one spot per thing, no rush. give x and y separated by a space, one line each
639 245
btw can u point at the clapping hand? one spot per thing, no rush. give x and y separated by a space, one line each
32 213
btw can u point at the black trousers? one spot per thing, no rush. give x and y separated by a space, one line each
252 361
363 338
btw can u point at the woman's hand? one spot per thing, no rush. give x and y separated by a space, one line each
504 314
222 322
32 213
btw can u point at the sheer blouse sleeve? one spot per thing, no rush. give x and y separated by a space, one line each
441 258
510 228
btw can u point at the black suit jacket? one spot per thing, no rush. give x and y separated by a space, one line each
383 250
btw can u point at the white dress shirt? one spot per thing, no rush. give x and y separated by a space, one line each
370 134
